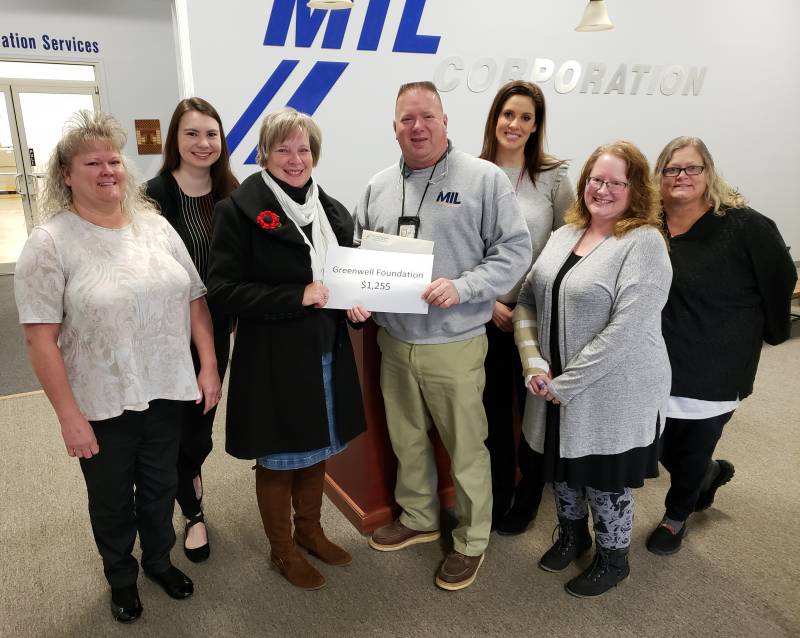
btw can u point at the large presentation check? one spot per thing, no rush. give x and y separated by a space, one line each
377 280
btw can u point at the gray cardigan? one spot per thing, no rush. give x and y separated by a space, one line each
616 374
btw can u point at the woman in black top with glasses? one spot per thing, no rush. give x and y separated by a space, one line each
731 290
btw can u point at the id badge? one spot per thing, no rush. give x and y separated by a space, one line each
408 227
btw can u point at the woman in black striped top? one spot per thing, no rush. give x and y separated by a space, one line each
194 177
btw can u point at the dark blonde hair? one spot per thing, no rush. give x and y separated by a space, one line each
278 126
643 205
719 194
536 159
87 127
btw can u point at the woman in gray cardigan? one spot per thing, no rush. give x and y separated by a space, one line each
595 362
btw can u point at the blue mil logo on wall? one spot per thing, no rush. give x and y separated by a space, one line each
316 85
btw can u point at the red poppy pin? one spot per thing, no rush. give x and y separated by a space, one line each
268 220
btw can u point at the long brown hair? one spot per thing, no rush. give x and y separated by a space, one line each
223 180
536 159
643 207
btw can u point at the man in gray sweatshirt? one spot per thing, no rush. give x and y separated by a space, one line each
432 365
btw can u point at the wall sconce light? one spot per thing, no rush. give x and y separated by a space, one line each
330 4
595 18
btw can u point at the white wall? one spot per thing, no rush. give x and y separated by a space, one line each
746 110
137 72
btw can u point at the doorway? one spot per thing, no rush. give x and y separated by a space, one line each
37 98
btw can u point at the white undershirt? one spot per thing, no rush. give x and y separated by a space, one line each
684 408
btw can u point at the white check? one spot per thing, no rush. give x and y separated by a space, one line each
377 280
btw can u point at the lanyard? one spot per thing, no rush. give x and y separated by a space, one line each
425 192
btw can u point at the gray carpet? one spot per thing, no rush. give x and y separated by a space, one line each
16 374
737 574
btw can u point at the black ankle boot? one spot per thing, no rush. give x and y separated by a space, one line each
515 521
527 497
608 569
724 474
573 540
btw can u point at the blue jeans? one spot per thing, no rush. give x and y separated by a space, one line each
298 460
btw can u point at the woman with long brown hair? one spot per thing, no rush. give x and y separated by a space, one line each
514 140
195 175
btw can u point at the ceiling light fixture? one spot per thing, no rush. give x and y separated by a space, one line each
595 18
330 4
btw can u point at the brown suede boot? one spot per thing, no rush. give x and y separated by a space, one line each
307 500
274 495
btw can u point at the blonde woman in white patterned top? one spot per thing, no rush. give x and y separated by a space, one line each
109 300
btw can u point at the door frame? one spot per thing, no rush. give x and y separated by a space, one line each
50 87
26 178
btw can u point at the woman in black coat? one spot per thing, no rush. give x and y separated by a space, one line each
294 398
195 175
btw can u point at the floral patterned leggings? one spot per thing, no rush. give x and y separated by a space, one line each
612 512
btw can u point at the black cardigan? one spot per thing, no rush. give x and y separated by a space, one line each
276 399
163 189
731 289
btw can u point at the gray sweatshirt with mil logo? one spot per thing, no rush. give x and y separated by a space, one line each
480 239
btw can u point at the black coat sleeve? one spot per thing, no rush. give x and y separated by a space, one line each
230 285
775 275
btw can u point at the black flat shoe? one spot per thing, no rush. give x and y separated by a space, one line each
125 604
196 554
173 581
663 541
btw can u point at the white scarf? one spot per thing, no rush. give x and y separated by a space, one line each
310 212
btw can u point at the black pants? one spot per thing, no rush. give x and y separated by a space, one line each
504 380
196 443
687 447
131 485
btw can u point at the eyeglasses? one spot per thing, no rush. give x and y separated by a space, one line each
674 171
613 186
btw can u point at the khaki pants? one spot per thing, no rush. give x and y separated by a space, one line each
443 383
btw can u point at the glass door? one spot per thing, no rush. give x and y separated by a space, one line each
14 225
42 108
32 116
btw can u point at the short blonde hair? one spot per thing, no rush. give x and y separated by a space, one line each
87 127
643 208
719 194
278 126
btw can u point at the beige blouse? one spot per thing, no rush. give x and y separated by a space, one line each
122 298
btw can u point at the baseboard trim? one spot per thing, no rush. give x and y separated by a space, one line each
21 395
